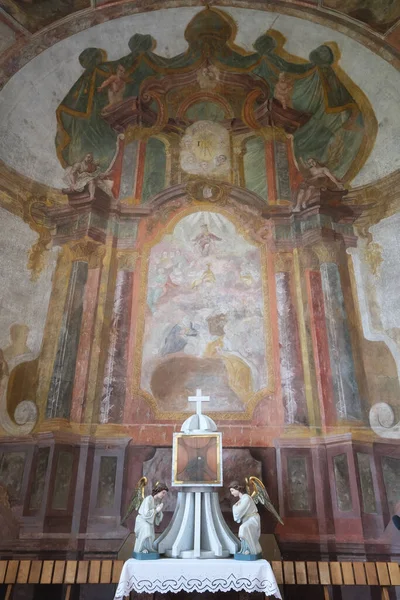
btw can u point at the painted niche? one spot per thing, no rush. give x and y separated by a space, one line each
199 329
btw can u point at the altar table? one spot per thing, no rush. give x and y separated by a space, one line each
196 575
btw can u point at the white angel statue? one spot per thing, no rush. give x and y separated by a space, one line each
245 512
149 514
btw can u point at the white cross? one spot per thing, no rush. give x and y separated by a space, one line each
198 398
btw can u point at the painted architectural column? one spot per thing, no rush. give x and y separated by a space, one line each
320 348
59 400
128 170
335 369
346 394
140 164
115 374
291 369
90 299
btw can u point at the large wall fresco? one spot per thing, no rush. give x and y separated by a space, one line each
200 331
335 132
203 230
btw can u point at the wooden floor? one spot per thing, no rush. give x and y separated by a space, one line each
72 572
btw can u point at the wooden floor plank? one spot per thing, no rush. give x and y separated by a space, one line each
383 573
47 571
278 571
105 574
385 594
288 570
324 573
70 571
3 569
83 570
12 569
327 595
23 571
394 573
58 573
359 573
116 572
372 577
8 592
34 573
336 573
348 575
94 571
301 573
312 573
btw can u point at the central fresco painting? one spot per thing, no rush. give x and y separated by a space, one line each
201 330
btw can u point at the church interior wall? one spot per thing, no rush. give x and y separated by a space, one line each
200 198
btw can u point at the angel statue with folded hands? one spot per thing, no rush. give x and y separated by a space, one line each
149 514
246 513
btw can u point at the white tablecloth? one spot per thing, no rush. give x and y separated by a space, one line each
196 575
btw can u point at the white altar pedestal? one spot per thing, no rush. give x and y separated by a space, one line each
197 528
193 575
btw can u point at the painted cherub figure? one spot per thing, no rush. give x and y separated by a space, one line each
116 86
283 89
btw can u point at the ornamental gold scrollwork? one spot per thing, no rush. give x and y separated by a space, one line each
201 190
373 257
126 260
309 259
33 211
86 250
283 262
327 253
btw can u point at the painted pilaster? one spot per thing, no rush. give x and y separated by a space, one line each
60 393
320 348
292 381
346 394
94 255
115 375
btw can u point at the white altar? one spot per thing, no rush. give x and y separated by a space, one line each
193 575
197 542
197 528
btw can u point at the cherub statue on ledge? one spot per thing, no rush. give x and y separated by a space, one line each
149 514
245 512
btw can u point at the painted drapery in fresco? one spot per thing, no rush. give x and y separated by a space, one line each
200 328
336 132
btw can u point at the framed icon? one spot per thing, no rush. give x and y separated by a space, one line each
197 459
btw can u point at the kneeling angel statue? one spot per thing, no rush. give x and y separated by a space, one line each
149 514
245 512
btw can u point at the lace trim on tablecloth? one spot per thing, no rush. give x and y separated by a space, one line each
194 584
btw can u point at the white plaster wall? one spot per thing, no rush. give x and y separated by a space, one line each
29 100
21 300
379 295
387 285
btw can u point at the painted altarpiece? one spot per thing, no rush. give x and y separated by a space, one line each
203 269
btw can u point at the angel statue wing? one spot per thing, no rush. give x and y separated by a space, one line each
137 498
260 495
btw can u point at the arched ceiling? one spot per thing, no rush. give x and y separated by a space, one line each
40 49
